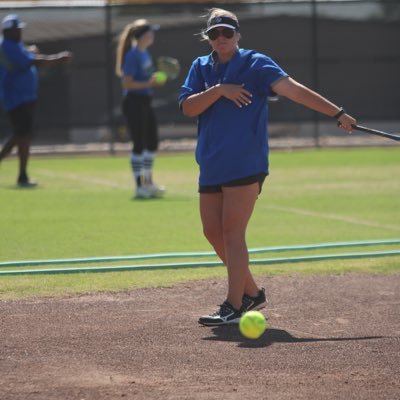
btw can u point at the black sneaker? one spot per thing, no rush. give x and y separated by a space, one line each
225 315
255 303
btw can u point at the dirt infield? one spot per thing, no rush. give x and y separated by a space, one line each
330 337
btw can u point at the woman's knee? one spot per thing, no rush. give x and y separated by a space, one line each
212 234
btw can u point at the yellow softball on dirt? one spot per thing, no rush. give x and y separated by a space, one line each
252 324
160 77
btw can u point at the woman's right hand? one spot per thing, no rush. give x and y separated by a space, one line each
346 122
237 93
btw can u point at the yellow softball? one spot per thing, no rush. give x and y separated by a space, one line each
252 324
160 77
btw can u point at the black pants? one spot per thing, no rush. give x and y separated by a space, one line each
141 121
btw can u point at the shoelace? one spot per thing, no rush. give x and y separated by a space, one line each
247 301
222 307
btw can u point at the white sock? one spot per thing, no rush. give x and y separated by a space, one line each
148 161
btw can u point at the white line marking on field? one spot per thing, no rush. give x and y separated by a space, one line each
79 178
332 216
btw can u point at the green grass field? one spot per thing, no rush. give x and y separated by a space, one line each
84 208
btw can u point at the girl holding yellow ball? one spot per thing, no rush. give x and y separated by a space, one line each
134 65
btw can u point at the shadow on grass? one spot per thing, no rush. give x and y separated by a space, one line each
15 187
230 333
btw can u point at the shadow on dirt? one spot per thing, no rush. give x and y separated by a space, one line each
230 333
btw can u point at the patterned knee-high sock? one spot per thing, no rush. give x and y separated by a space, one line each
148 161
137 168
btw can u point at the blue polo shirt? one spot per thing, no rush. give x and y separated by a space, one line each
18 75
233 142
139 65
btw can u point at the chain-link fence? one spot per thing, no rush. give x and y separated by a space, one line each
347 50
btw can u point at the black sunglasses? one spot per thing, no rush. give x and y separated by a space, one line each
215 33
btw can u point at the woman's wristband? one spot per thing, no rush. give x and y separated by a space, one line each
340 113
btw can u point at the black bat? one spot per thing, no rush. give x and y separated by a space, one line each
376 132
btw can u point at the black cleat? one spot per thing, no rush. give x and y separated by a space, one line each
26 183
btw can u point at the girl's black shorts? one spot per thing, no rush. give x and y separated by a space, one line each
248 180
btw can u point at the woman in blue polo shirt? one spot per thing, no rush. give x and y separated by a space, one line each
227 90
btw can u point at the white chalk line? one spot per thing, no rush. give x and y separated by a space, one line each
336 217
79 178
113 184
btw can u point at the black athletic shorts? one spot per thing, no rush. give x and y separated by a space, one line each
21 119
248 180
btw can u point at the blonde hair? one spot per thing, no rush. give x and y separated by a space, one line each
216 12
125 40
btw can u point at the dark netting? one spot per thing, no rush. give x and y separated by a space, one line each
347 50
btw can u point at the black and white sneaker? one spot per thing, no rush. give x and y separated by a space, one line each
225 315
255 303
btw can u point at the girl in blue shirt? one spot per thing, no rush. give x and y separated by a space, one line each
135 67
228 90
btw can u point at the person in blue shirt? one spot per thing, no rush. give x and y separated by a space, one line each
18 88
228 90
134 65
